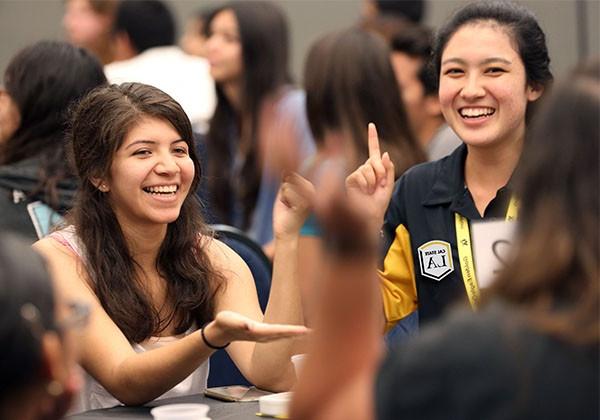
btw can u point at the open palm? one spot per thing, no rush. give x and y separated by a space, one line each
238 327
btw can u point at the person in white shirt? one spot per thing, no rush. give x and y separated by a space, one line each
145 52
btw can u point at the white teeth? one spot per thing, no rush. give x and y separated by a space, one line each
476 112
162 189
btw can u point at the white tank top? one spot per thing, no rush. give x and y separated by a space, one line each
93 395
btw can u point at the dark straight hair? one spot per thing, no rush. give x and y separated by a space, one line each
349 83
43 80
147 23
100 124
263 31
416 42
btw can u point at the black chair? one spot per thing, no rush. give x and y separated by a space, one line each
222 369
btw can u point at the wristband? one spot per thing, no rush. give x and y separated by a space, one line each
212 346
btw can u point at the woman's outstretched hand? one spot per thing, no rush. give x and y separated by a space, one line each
370 186
231 326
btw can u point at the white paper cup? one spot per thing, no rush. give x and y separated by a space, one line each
180 412
275 404
298 361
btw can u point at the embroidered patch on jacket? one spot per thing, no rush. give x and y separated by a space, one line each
435 259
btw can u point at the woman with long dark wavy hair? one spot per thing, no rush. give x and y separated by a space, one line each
247 49
37 185
164 294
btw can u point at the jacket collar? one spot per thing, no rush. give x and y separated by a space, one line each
450 188
449 179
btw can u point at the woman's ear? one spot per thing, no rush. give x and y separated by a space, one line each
534 92
100 184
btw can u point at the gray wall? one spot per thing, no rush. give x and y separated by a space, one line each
25 21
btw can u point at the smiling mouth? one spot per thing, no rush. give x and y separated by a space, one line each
162 189
479 112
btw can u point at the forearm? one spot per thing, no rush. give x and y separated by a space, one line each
349 316
142 377
271 364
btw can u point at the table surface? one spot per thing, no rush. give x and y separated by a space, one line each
219 410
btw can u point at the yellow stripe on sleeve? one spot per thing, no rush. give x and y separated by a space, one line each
398 289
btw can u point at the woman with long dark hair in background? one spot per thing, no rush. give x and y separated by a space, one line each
40 83
247 48
349 82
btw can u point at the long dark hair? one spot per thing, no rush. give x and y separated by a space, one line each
263 33
24 280
43 80
350 82
100 123
556 269
522 27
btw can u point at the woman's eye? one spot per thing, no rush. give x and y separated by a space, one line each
142 152
181 150
453 71
495 70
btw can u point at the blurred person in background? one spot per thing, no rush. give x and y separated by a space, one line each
36 183
38 355
411 55
247 49
193 40
386 17
533 349
349 82
89 23
145 52
10 118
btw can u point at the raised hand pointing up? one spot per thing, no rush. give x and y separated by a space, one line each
370 186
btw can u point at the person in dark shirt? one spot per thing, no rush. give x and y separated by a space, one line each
531 351
492 65
37 185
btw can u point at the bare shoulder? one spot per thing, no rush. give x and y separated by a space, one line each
223 258
53 250
67 269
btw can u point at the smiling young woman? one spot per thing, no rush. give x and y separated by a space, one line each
492 63
164 294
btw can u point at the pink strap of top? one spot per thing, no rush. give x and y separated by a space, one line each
68 238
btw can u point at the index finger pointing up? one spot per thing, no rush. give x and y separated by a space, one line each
374 152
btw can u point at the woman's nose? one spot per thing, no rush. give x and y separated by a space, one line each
167 165
473 88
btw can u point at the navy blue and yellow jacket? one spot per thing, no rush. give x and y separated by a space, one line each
420 267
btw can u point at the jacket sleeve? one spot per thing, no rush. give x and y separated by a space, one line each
397 271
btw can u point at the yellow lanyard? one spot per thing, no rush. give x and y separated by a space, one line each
465 252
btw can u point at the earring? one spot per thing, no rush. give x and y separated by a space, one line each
55 388
103 188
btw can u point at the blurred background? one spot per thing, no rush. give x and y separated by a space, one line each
572 26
